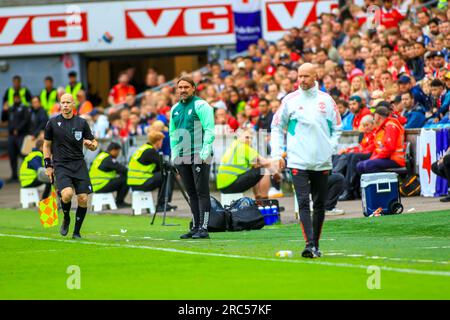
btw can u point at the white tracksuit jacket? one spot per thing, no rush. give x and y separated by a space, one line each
312 121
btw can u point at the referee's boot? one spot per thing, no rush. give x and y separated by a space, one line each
76 236
190 234
65 227
309 251
201 234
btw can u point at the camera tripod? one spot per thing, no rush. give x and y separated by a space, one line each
169 172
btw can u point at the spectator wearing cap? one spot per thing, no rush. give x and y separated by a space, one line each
414 113
359 110
389 144
405 85
101 123
440 67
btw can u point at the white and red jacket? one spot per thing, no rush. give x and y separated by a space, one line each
313 124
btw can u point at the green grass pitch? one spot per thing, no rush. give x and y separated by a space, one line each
124 257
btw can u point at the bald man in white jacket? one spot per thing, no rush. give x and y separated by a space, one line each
313 123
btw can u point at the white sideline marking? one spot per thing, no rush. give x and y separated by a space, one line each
235 256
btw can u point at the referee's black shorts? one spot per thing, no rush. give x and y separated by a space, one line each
74 175
245 181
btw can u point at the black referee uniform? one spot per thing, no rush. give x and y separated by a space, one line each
70 169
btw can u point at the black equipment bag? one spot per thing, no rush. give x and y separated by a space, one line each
217 217
244 215
410 186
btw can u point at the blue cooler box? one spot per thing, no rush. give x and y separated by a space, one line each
380 190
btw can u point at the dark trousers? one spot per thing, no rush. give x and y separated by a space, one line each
118 185
443 169
336 185
375 165
14 146
352 176
340 162
314 182
196 182
37 183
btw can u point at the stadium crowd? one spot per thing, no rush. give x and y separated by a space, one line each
395 75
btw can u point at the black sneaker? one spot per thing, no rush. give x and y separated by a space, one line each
64 227
309 252
446 199
76 236
318 253
201 234
189 234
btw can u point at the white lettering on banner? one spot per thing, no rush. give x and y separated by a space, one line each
154 29
11 30
37 29
216 20
178 22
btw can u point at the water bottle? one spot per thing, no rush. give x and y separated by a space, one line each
274 212
284 254
261 210
267 213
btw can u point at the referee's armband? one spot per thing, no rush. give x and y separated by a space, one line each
48 163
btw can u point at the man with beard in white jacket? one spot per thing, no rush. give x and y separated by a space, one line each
312 123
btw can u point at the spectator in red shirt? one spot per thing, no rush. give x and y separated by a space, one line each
358 109
119 92
223 118
390 16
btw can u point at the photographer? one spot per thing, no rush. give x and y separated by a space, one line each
144 168
108 175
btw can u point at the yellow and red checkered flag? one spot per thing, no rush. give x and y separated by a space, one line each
48 210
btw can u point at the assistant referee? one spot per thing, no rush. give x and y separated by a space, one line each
64 137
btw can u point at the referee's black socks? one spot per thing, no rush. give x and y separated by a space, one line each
66 209
81 213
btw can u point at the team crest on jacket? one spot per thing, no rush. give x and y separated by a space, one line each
322 107
78 135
